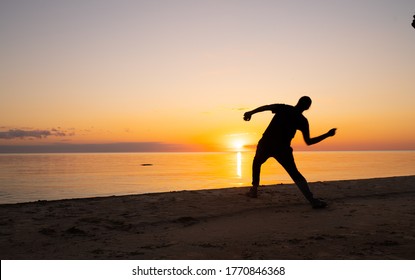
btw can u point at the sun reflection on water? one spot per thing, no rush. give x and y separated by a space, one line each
239 164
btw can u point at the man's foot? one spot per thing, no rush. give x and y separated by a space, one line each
253 192
318 203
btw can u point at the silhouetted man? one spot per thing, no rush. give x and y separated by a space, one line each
413 22
276 143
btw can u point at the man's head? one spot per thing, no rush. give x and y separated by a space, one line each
304 103
413 22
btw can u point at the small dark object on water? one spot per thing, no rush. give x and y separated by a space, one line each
147 164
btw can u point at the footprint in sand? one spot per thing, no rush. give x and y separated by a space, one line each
187 221
75 231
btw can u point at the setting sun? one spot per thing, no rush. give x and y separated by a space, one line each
238 145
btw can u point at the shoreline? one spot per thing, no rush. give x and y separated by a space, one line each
366 219
191 190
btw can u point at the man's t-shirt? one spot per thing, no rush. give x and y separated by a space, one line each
284 124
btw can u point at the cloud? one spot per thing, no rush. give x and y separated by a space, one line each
56 132
30 134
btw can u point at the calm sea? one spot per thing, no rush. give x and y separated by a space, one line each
31 177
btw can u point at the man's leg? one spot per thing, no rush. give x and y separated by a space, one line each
261 156
286 159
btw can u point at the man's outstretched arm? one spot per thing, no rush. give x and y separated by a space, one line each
311 141
248 115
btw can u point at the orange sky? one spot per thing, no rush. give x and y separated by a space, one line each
184 72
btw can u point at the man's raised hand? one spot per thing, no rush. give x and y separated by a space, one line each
247 116
332 132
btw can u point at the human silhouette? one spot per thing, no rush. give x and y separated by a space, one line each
276 143
413 22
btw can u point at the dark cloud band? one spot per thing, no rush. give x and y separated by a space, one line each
96 148
25 134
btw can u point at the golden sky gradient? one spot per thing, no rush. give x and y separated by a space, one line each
184 72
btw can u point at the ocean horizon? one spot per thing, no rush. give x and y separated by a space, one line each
26 177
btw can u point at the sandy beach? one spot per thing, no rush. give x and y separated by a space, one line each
366 219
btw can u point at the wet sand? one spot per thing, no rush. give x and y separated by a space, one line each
366 219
